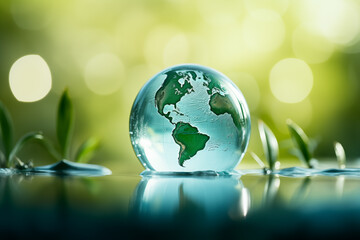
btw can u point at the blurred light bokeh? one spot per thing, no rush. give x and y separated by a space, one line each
295 59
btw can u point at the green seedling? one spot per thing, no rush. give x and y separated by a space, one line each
304 148
64 129
9 149
340 155
86 150
270 145
65 124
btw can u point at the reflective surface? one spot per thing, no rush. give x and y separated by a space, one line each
251 206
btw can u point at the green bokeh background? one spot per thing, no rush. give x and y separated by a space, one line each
148 36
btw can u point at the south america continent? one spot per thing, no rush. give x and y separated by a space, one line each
189 139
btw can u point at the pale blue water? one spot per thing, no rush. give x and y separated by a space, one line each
315 204
61 168
69 168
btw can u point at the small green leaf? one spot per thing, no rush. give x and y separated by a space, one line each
6 130
86 150
65 119
340 155
22 141
270 144
49 146
2 160
301 141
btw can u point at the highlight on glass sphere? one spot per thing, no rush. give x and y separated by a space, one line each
190 118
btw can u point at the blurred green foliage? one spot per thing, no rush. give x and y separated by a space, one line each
104 51
9 149
64 128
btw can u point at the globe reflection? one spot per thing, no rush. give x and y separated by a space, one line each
211 200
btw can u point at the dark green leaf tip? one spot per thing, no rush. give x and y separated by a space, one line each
64 124
301 141
270 144
6 130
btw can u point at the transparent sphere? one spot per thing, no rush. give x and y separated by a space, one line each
189 118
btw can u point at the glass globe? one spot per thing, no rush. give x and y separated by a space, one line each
189 118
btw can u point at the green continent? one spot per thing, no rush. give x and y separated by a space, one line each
189 139
212 83
172 91
193 74
222 104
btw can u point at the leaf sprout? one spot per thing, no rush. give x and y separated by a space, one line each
9 149
304 148
270 145
64 130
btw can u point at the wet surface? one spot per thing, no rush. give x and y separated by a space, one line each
68 168
177 207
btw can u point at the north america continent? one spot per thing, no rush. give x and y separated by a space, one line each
175 86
